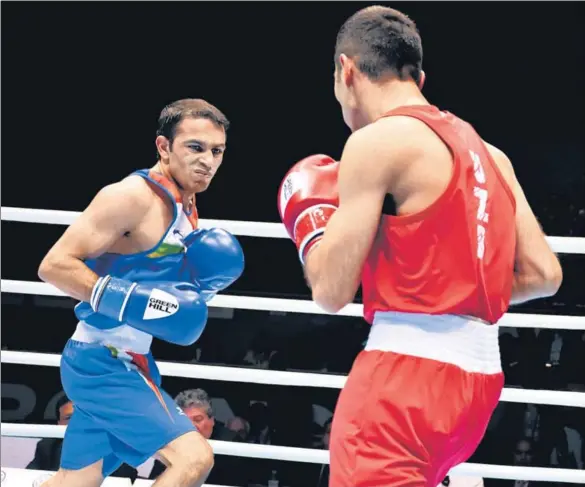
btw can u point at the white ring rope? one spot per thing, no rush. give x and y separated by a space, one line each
288 378
517 320
309 455
566 245
60 217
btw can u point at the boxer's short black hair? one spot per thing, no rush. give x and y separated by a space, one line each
172 115
382 41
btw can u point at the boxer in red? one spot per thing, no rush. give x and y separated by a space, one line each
433 223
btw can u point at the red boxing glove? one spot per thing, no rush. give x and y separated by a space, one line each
307 199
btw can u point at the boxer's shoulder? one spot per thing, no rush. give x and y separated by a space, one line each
408 135
502 162
128 199
137 186
390 137
380 149
133 190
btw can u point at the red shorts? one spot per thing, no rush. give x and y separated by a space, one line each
406 420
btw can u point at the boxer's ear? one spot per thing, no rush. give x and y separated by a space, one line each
347 69
163 147
423 78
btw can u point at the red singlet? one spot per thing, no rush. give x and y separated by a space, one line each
457 255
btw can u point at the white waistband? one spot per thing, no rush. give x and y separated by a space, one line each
122 337
467 343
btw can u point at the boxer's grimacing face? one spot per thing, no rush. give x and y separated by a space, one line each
196 153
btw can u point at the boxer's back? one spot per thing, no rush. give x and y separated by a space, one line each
448 244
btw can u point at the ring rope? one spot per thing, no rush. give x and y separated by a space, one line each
567 245
517 320
26 475
310 455
288 378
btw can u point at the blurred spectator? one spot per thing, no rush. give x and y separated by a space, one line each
64 411
239 427
522 456
260 431
566 441
197 406
327 433
323 439
48 450
324 472
509 352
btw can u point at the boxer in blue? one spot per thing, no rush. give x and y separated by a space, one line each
141 269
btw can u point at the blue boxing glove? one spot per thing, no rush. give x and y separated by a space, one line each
214 260
172 311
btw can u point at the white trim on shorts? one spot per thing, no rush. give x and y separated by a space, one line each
467 343
123 337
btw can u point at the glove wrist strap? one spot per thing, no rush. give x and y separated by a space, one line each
110 296
97 291
308 246
310 226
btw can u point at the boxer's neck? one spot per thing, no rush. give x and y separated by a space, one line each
188 198
376 99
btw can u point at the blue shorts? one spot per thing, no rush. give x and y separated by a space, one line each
120 413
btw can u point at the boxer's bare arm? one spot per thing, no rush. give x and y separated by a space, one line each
115 210
333 268
537 270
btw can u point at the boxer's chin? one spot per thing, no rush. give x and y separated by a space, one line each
201 186
199 183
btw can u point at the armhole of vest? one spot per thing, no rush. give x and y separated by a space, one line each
436 204
389 206
500 177
144 175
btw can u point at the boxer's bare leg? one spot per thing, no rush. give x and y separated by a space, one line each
190 459
90 476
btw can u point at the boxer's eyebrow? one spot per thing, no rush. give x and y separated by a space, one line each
195 141
202 143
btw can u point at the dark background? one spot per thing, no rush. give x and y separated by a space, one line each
83 84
